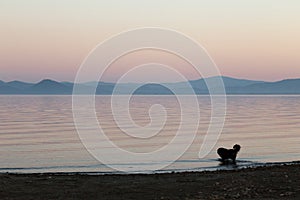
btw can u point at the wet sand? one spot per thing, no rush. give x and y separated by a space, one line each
272 182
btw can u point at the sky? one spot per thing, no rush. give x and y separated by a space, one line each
253 39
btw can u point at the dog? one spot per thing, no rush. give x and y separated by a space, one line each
229 154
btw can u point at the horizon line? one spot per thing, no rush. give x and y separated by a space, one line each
223 76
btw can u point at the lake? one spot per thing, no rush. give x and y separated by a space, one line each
37 133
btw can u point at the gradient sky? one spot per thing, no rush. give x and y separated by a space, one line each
254 39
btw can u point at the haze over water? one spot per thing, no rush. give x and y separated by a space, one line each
37 133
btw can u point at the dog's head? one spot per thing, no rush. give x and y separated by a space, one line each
237 147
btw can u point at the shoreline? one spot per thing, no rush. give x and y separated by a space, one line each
221 168
281 181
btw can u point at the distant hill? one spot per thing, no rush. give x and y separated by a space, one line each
5 89
19 84
232 86
50 87
291 86
228 82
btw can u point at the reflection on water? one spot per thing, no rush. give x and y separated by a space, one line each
37 133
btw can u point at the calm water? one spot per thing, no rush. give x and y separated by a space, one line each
37 133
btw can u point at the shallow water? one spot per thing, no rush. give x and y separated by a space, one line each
37 133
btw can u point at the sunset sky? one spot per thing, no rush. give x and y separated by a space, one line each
253 39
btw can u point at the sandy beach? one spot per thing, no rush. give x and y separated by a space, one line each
271 182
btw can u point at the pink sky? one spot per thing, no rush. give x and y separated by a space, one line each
253 39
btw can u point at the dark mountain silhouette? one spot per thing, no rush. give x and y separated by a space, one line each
48 86
290 86
200 86
154 89
69 84
228 82
19 84
232 86
5 89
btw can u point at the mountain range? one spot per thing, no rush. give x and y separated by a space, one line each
232 86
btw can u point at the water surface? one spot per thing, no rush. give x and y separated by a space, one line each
37 133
